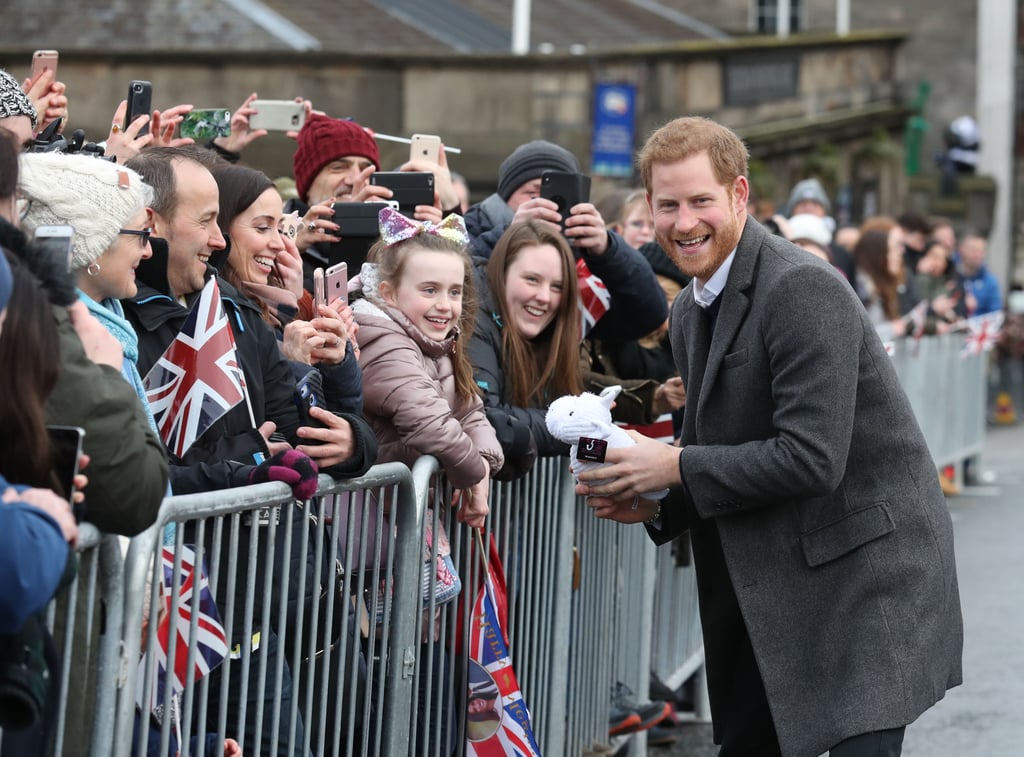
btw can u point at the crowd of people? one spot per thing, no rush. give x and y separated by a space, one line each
458 328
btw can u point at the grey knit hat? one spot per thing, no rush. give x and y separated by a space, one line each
14 102
529 161
808 189
93 195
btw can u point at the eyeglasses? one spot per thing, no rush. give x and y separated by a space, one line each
23 205
142 234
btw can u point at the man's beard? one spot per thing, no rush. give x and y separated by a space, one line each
721 244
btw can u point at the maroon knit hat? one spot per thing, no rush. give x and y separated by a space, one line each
323 139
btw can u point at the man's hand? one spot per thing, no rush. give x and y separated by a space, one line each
621 510
585 229
268 428
338 443
445 190
669 396
539 209
647 466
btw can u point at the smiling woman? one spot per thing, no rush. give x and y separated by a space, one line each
525 348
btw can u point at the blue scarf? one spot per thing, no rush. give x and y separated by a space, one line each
111 315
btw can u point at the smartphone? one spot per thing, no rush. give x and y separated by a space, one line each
277 115
42 60
140 102
409 188
336 282
66 451
309 392
425 147
57 239
205 124
359 228
565 189
319 297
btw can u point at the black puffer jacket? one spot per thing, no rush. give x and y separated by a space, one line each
489 372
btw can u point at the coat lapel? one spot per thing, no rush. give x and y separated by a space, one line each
734 307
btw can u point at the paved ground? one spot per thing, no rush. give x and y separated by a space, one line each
984 716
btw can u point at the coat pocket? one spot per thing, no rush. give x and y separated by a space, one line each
733 359
847 534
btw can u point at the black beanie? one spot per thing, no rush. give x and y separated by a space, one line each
529 161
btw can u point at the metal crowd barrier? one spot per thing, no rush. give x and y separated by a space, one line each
309 667
948 393
83 623
363 660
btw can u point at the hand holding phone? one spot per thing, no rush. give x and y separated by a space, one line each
140 102
56 239
336 283
319 294
66 453
277 115
409 188
44 60
425 147
205 124
566 190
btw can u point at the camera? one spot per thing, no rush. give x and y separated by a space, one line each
49 140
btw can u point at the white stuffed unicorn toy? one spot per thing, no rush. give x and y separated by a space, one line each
589 417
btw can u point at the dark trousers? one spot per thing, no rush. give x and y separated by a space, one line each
875 744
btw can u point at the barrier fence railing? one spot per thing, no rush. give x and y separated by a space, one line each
338 640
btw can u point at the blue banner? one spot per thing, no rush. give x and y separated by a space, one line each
611 147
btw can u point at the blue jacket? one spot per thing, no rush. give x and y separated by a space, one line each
985 288
33 554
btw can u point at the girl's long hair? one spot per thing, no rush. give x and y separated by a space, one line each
871 256
29 368
547 366
391 261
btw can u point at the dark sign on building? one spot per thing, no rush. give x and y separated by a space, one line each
749 80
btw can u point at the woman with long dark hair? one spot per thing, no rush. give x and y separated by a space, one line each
264 265
525 348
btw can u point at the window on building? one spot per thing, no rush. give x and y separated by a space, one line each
766 14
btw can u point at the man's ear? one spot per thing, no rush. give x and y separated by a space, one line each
740 193
157 223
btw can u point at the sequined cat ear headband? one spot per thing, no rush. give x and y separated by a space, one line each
394 228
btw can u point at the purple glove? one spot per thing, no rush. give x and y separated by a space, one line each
297 469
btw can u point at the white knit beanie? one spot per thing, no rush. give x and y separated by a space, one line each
93 195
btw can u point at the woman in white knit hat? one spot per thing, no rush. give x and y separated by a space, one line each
108 206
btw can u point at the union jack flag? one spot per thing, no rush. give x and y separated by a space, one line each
211 641
982 333
198 378
504 729
594 298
